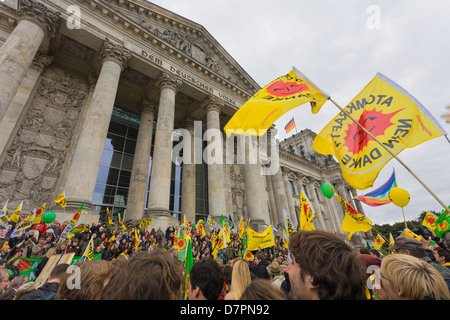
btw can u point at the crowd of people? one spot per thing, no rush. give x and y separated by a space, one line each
317 265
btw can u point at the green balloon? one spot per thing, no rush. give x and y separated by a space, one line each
49 217
327 190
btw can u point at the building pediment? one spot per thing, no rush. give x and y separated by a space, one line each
185 39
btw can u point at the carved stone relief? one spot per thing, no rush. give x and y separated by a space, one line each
238 191
33 162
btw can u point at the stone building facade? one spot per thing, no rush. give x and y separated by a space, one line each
93 96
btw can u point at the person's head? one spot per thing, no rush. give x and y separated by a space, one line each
324 267
146 276
240 278
206 280
259 256
374 252
275 269
58 271
262 289
405 277
19 281
409 246
441 255
92 277
4 279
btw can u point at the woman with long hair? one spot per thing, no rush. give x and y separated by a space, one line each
240 279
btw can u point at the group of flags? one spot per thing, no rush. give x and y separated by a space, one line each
379 123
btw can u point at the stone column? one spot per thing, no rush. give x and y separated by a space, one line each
290 201
86 159
139 174
188 178
159 195
35 22
17 105
273 207
255 189
281 201
216 195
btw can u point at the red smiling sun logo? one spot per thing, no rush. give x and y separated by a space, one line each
376 122
284 89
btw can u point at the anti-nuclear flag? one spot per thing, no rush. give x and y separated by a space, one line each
61 199
274 100
39 213
429 221
4 216
306 213
263 240
392 115
241 228
109 217
88 254
378 242
77 214
201 228
287 222
442 223
16 215
353 220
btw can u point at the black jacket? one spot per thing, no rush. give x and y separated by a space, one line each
261 270
46 292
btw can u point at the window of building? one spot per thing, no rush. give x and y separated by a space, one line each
291 185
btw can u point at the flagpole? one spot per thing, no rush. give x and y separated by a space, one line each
391 153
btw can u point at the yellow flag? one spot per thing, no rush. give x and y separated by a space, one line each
61 199
263 240
378 242
394 117
391 240
200 227
109 217
353 220
241 228
274 100
429 221
306 213
39 213
16 215
410 234
121 222
136 240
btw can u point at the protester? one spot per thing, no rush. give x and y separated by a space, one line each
260 268
442 256
413 247
324 267
49 289
262 289
405 277
205 280
240 279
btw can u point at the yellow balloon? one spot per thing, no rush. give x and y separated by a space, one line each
399 197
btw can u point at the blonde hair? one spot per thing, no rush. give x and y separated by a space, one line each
240 278
416 278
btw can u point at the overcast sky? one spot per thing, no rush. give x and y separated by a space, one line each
341 45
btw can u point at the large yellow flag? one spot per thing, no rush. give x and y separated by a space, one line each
39 213
263 240
306 213
353 220
429 221
274 100
394 117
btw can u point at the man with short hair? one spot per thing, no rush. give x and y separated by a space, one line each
413 247
324 267
206 280
260 267
49 289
